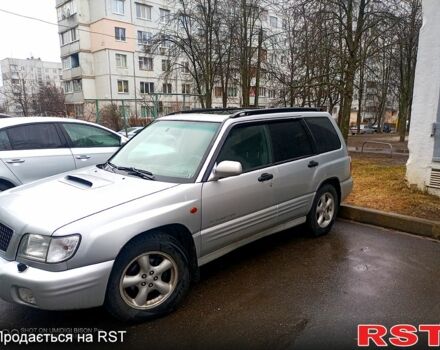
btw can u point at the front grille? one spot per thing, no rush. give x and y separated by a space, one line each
5 237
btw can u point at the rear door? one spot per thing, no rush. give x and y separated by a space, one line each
36 150
90 145
293 152
237 207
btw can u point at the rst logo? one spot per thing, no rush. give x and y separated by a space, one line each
401 335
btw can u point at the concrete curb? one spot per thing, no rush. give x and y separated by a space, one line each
420 227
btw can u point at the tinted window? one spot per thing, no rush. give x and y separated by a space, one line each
290 140
247 145
34 136
4 141
89 136
324 133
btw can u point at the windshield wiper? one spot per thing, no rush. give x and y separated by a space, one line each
145 174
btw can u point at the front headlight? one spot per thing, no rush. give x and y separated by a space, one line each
48 249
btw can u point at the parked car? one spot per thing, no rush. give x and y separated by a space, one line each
35 147
130 132
130 234
2 115
364 129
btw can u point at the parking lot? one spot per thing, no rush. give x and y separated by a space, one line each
285 291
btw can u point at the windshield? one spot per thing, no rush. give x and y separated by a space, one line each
171 150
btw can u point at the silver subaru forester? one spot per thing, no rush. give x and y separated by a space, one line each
131 234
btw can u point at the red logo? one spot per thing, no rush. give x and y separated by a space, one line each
401 335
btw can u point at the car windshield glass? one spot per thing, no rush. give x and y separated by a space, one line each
171 150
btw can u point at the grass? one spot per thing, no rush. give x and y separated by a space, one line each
379 183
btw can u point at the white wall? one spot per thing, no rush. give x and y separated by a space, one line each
426 99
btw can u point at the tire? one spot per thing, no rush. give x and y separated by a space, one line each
155 270
325 207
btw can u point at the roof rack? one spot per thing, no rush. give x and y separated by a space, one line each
228 110
248 112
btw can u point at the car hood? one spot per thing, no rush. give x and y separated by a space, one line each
46 205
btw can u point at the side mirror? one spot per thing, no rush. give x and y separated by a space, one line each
227 168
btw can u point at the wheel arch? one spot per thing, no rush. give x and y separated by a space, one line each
184 237
7 183
334 181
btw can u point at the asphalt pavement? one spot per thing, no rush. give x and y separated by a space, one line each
287 291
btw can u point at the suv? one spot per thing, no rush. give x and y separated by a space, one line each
32 148
131 233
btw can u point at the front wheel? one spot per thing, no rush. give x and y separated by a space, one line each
149 279
324 209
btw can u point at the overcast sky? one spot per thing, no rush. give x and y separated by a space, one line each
22 38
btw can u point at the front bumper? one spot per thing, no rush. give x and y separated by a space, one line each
79 288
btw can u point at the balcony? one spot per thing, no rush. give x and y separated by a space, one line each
68 49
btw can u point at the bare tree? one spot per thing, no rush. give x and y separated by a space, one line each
49 101
19 90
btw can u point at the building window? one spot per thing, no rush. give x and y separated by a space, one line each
68 87
70 62
121 60
167 88
143 11
68 36
123 86
66 10
262 91
77 85
186 88
185 68
232 91
146 87
218 91
120 34
164 15
273 22
166 65
146 111
144 38
118 7
272 94
146 63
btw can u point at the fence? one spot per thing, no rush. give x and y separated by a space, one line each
120 113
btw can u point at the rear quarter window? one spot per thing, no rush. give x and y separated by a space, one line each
5 145
324 133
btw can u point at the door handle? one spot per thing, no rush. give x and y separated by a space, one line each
265 177
313 164
83 157
15 161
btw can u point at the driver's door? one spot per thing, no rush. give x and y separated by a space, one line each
238 207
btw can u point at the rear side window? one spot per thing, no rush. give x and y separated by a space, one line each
289 140
34 136
87 136
5 145
324 133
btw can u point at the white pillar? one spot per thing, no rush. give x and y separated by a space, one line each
426 101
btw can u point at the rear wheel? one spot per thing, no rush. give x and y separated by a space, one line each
323 213
149 279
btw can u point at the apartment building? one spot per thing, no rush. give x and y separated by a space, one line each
105 57
22 78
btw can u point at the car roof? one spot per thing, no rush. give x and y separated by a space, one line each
6 122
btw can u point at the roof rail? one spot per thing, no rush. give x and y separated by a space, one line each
227 110
274 110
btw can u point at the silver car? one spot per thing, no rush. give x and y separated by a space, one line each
32 148
131 233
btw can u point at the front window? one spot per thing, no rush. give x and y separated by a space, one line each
171 150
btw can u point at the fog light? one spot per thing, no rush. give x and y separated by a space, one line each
26 295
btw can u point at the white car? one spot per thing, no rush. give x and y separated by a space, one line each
32 148
131 132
